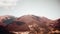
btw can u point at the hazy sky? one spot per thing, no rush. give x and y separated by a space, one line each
47 8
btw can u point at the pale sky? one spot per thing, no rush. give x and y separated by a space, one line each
47 8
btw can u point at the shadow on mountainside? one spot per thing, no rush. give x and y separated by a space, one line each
3 30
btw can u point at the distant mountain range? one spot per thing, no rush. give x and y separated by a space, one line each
22 23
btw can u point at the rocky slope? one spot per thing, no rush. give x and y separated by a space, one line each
29 23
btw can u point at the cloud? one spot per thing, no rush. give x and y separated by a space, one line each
7 4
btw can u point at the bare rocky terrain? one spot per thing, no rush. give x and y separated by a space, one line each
30 24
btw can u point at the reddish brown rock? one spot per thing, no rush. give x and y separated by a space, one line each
42 22
12 24
23 23
57 24
18 26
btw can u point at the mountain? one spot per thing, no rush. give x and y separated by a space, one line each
11 23
29 19
26 22
36 22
